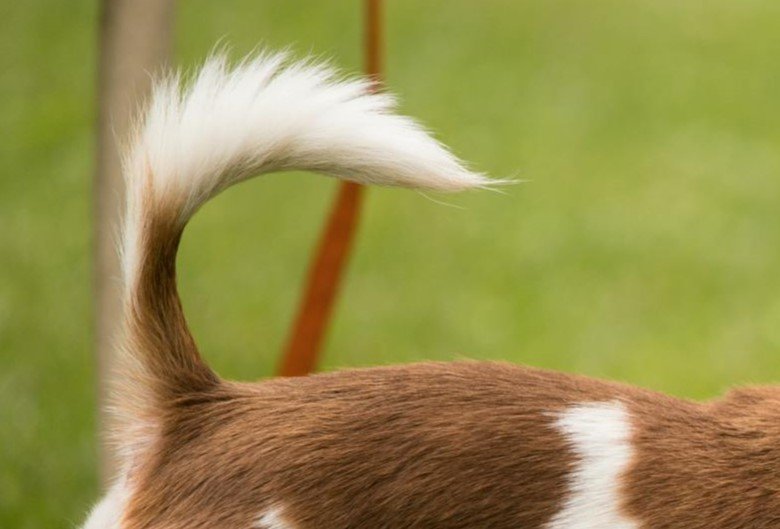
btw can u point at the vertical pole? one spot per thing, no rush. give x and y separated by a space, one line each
373 39
327 269
135 40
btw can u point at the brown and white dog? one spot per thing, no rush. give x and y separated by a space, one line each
461 445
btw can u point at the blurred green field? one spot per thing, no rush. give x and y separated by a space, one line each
644 247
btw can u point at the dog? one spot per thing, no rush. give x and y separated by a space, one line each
434 445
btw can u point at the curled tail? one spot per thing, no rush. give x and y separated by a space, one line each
223 127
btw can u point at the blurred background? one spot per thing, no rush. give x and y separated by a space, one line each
644 246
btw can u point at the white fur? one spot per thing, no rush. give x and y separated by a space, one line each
265 115
272 519
109 512
600 435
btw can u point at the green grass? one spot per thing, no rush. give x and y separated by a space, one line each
645 246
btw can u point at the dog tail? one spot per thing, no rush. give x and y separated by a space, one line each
226 125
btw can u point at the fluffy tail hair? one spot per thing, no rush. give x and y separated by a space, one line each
265 114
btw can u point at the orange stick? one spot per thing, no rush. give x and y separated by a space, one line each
327 269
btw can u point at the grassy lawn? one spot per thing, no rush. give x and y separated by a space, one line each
644 247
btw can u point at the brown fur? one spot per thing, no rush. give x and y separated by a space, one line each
700 466
462 445
156 326
459 445
437 445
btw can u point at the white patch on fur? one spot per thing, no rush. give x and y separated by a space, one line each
108 513
272 519
600 435
263 115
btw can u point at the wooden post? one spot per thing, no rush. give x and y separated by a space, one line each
135 41
326 271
